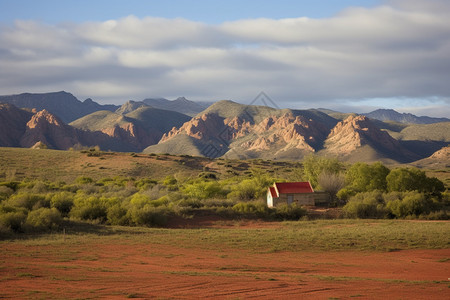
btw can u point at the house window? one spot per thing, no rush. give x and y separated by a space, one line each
290 199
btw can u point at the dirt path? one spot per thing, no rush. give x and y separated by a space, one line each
128 269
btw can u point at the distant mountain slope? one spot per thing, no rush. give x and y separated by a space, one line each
139 128
13 122
21 128
129 106
181 105
392 115
62 104
426 132
234 130
357 133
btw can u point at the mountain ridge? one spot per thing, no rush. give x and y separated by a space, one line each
392 115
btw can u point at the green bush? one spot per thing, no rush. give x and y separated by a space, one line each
44 219
190 202
289 212
29 201
410 204
84 180
13 220
366 205
203 190
5 192
117 215
63 202
256 208
148 216
92 207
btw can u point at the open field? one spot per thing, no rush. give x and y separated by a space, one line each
334 259
20 163
53 165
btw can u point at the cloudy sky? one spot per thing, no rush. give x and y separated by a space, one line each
347 55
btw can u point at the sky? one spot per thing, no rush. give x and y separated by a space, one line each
346 55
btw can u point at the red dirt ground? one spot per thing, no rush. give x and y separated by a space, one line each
117 269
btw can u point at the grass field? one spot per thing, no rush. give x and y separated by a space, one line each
56 165
326 259
222 258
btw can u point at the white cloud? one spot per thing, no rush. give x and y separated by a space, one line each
396 50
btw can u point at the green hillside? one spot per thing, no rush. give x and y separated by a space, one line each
100 120
427 132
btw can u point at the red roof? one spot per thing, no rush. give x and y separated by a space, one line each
273 192
294 187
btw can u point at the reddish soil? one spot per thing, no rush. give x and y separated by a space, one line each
121 268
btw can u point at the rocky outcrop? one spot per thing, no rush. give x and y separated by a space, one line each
207 126
443 154
133 135
46 128
357 131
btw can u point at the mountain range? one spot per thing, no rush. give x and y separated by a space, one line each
223 129
392 115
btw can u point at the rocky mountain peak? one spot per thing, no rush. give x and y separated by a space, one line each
356 131
43 118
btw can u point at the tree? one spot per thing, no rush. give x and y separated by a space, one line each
314 165
331 183
362 177
413 179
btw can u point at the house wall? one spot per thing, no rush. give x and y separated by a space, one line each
299 199
321 198
309 199
269 200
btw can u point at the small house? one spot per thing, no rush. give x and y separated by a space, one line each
300 193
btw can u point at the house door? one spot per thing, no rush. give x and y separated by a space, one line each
290 199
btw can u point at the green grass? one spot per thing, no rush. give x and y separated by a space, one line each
323 235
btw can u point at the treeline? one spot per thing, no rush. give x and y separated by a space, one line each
362 190
375 191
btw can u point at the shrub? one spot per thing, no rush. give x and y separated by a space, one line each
169 180
63 202
84 180
13 220
190 202
289 212
203 190
90 208
412 204
44 219
148 216
117 215
28 200
145 183
256 208
345 194
5 192
140 200
366 205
